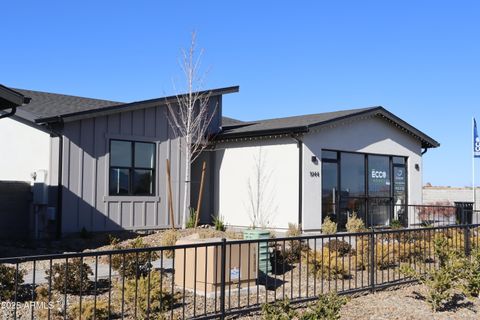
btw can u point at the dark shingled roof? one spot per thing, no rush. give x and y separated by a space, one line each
48 107
227 121
45 104
302 124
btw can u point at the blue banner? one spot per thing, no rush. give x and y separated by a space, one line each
476 141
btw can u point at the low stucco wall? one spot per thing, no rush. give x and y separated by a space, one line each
442 194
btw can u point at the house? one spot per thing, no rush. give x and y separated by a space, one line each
364 161
109 159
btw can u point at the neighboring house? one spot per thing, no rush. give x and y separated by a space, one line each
111 158
329 164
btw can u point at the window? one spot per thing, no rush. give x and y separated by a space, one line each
374 187
132 168
352 168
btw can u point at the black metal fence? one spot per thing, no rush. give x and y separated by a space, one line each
217 278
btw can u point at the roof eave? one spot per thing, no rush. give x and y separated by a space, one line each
10 98
262 133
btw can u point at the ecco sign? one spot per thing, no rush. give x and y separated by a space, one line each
379 174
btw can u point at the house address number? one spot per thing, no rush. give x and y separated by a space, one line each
315 174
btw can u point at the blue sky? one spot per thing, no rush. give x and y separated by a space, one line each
419 59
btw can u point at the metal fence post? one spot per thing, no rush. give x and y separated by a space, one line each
372 260
466 236
223 264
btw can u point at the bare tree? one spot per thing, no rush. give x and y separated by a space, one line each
260 193
190 116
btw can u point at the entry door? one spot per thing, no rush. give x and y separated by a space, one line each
379 190
400 193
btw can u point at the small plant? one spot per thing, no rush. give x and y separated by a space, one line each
280 310
169 238
441 282
396 224
218 223
341 247
328 226
113 240
134 264
471 275
7 282
149 296
192 218
84 234
327 264
90 311
327 307
355 224
71 277
293 230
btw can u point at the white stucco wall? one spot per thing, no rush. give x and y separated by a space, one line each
235 166
368 135
23 150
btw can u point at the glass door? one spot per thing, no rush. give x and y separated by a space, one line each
400 190
379 190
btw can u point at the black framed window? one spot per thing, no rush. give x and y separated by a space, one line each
370 185
132 168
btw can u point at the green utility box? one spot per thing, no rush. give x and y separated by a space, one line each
264 264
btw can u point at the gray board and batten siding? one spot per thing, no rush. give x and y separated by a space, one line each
86 200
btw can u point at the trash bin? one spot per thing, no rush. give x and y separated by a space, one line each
464 212
201 271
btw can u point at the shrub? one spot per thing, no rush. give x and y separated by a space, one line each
341 247
134 264
293 230
441 282
218 223
56 301
169 238
192 219
7 282
396 224
328 264
440 209
139 292
279 310
89 311
328 226
355 224
471 275
327 307
71 277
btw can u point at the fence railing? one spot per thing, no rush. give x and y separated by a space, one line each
217 278
388 214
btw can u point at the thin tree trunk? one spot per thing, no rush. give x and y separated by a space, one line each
170 198
200 194
186 189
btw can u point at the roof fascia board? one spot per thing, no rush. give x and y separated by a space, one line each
260 133
130 106
426 140
12 98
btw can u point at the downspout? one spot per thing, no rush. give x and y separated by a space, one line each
424 151
9 114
